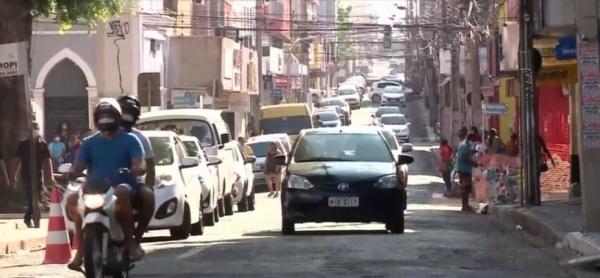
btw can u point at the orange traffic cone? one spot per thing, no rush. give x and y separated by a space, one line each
58 250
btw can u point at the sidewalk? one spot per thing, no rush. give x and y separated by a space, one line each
556 222
16 236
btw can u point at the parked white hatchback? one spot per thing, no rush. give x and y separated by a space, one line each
208 173
241 169
177 190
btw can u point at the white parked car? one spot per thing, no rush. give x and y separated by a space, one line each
327 118
376 94
282 137
350 94
338 102
398 124
209 178
394 96
260 147
177 191
242 190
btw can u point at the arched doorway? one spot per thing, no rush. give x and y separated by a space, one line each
65 99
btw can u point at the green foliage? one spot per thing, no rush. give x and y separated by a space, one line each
68 12
344 49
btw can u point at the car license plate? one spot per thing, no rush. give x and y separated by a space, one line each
343 202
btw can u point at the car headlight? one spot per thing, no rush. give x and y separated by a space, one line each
93 201
299 182
164 180
390 181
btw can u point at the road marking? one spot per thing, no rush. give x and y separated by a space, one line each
191 253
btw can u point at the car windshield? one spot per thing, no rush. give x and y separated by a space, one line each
332 102
393 120
393 90
342 147
196 128
386 110
163 152
289 125
261 149
346 91
327 116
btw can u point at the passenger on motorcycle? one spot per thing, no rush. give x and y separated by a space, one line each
144 201
103 154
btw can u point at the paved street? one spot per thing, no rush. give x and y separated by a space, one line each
439 241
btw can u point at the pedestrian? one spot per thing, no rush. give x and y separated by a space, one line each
272 172
545 155
42 165
474 136
73 148
512 148
494 143
58 149
464 167
445 166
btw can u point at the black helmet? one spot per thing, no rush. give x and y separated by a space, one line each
107 115
131 108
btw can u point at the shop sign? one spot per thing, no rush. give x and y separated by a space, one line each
13 59
237 70
589 76
187 98
495 109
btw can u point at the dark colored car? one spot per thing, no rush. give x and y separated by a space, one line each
346 174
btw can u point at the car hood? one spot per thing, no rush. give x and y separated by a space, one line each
336 172
396 127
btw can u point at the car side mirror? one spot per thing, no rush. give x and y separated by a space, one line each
214 160
65 168
280 159
250 159
189 162
405 159
407 147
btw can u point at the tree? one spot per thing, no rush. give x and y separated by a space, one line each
16 20
344 48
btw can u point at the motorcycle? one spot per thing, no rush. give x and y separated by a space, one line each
105 251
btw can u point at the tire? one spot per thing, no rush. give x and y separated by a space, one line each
288 227
221 207
243 204
92 256
209 218
396 226
251 201
229 205
184 230
216 215
198 228
376 99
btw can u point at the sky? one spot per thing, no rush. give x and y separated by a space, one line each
381 8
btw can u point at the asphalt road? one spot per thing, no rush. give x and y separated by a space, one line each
439 241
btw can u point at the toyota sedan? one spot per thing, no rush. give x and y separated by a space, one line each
346 174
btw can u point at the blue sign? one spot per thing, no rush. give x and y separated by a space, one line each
276 93
566 49
495 109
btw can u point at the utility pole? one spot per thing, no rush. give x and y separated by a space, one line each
259 25
589 134
474 80
530 144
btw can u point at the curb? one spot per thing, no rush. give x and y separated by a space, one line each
522 219
7 248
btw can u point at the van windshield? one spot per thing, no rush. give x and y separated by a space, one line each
290 125
197 128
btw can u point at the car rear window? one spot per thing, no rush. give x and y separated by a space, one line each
387 110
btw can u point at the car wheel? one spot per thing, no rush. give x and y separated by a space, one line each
396 226
251 201
221 207
198 227
229 205
209 218
215 214
376 99
288 227
183 231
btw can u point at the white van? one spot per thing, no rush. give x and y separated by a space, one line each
205 124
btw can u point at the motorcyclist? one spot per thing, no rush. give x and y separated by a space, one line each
104 154
144 201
